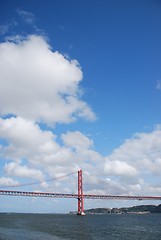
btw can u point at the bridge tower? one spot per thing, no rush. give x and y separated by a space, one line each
80 194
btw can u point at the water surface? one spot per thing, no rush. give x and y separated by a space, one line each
89 227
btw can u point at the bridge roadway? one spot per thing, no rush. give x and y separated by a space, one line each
66 195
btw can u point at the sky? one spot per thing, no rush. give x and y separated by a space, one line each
80 88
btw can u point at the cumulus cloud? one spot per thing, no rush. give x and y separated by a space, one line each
40 84
119 168
137 160
6 181
76 140
35 153
14 169
83 149
143 151
25 140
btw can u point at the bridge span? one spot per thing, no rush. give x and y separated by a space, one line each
76 196
80 196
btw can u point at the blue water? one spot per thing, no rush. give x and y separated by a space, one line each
89 227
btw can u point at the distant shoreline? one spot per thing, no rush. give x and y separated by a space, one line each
141 209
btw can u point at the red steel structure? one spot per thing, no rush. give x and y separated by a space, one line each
68 195
80 196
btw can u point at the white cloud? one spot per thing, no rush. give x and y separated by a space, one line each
6 181
25 140
76 140
137 162
16 170
39 84
83 152
119 168
141 151
34 153
43 86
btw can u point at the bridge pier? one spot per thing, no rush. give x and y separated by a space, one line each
80 194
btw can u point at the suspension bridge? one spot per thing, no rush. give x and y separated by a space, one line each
80 196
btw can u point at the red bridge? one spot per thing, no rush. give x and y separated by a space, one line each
80 196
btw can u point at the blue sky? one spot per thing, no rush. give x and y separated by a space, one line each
80 87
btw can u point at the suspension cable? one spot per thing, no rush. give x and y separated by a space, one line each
38 182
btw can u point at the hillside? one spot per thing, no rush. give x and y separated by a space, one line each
135 209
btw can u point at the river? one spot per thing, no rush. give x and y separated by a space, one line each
89 227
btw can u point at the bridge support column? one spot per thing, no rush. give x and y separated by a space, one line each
80 194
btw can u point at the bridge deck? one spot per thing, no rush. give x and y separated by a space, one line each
66 195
